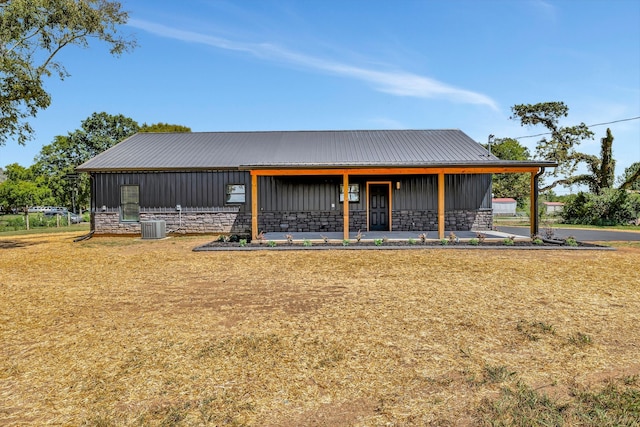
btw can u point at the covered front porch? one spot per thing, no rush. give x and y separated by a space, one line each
345 174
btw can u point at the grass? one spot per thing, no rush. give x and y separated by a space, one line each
555 223
616 403
39 224
124 331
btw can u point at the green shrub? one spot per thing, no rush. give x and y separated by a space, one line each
571 241
612 207
474 242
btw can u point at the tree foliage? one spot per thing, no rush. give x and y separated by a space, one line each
163 127
560 147
630 180
32 33
515 185
23 187
610 207
58 160
601 170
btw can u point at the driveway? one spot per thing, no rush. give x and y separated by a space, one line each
583 235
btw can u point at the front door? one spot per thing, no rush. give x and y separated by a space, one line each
378 207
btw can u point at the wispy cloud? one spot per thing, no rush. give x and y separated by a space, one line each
397 83
546 9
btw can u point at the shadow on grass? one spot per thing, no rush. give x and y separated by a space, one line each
14 244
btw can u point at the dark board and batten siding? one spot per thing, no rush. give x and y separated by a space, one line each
417 192
207 189
191 190
304 194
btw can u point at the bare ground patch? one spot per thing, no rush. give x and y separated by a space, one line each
123 331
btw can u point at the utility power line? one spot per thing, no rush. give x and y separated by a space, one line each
594 125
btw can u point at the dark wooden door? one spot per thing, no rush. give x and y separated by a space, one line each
379 207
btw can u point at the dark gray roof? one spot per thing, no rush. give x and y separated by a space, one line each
286 149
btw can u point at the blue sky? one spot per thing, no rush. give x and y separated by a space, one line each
356 64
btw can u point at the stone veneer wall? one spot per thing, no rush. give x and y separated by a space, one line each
404 220
460 220
240 222
315 221
191 222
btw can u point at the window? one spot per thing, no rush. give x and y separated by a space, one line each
130 203
235 193
354 192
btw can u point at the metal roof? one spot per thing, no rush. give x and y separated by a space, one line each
290 149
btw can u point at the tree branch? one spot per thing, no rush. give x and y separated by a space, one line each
629 182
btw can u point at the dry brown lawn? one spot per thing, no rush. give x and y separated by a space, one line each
120 331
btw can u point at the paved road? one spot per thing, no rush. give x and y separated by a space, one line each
579 234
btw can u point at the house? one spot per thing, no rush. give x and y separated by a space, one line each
553 208
289 181
504 206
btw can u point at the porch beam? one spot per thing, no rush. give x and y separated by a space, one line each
441 205
345 206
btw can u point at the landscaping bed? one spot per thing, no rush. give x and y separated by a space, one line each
506 243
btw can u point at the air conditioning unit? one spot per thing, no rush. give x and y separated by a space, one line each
156 229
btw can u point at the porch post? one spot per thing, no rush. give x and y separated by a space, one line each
533 223
345 207
441 205
254 206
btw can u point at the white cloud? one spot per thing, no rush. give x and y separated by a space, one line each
397 83
546 9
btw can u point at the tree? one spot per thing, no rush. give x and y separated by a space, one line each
601 169
630 180
163 127
32 33
58 160
23 188
516 185
560 147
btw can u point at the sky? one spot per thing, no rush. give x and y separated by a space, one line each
249 65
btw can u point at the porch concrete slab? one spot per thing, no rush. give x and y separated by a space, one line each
337 236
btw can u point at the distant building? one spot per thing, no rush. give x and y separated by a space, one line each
504 206
553 208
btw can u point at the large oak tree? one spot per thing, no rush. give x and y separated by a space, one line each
32 33
561 144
